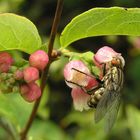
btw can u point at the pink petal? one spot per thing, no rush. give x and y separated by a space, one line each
105 54
92 83
80 99
75 76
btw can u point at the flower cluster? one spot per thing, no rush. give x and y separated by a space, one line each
81 80
30 91
22 80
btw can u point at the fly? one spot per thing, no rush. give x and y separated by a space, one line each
107 96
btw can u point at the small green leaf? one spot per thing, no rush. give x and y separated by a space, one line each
18 33
102 21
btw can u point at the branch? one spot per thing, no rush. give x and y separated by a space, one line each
45 72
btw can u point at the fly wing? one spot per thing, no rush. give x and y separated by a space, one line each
111 115
105 104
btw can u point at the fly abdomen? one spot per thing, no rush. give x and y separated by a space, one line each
95 97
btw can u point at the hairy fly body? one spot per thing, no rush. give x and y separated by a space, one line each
111 82
106 99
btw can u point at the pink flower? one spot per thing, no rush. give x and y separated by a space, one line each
31 74
73 73
39 59
105 54
82 77
80 99
92 83
30 92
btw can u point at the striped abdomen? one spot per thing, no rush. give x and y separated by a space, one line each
112 81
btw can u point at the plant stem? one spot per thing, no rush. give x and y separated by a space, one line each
45 72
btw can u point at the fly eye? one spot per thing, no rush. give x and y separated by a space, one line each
115 62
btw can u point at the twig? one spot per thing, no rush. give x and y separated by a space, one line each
45 72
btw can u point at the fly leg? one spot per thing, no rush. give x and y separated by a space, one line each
95 76
103 69
90 91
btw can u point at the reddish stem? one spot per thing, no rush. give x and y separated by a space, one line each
45 72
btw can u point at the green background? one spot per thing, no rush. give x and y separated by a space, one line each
56 118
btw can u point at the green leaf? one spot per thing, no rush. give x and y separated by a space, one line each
46 131
133 115
9 128
102 21
18 33
11 105
7 109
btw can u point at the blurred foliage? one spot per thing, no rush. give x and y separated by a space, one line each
56 119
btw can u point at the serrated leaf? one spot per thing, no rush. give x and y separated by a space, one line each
18 33
102 21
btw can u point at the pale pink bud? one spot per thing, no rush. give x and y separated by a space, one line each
24 89
31 74
18 75
6 61
80 99
105 54
4 67
75 76
6 58
30 92
39 59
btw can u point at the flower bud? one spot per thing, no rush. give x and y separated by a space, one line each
6 61
39 59
10 81
18 75
3 76
80 99
6 58
105 54
4 67
77 75
30 92
31 74
15 89
24 89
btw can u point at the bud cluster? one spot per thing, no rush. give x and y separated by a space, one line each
22 80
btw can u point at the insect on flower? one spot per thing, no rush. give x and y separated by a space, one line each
106 96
